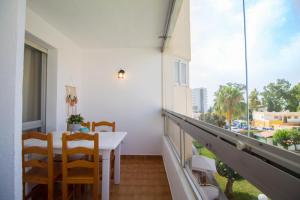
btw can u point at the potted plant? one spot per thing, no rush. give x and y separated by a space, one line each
74 122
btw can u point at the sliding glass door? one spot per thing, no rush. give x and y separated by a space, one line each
34 89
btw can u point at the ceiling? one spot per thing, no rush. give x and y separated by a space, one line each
106 23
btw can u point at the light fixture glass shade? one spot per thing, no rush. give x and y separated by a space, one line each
121 74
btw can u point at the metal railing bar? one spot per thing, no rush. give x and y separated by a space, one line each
275 171
282 157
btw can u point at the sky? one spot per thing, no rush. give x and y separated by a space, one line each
217 39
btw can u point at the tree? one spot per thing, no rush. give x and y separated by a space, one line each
293 101
231 175
282 137
213 118
229 101
294 137
275 95
254 102
210 109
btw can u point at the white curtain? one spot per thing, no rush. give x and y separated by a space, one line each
32 80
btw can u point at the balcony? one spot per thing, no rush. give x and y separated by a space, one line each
81 47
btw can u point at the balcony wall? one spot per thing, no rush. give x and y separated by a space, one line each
134 103
12 23
64 65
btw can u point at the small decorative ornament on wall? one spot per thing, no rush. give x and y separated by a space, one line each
71 100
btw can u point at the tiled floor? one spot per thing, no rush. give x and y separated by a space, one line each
142 178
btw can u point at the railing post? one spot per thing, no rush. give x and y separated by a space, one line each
183 136
165 126
180 144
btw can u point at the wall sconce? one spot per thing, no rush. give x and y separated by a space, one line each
121 74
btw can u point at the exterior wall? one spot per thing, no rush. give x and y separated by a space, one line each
182 101
64 67
134 103
266 123
275 119
12 23
177 98
180 42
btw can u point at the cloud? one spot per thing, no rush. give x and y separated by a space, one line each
218 43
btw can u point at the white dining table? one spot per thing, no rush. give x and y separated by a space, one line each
108 141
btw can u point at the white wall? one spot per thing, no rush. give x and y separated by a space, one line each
12 23
134 103
64 67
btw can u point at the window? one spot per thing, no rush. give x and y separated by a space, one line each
177 72
34 89
181 72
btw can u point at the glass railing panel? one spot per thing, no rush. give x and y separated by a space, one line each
273 42
216 179
173 132
217 66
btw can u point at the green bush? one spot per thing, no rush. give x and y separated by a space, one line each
287 137
295 137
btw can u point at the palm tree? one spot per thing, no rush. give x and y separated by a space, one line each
229 101
254 102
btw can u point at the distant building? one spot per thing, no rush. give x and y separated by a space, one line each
276 119
199 98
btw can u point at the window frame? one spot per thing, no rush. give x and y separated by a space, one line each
178 78
41 123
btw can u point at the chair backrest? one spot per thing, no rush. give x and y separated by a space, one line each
66 152
35 162
86 124
104 123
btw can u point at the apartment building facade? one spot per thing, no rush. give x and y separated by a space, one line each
199 97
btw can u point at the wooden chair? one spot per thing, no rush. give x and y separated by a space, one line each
112 125
86 124
104 123
39 170
58 157
80 171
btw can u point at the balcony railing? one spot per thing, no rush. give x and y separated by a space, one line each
275 171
